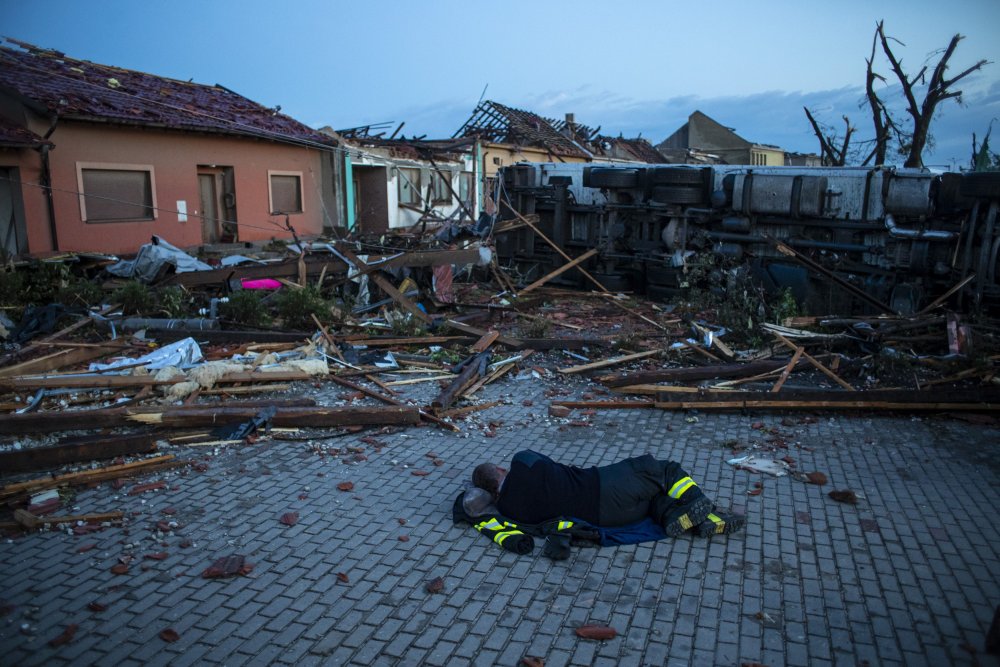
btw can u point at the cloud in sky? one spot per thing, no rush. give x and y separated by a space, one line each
772 117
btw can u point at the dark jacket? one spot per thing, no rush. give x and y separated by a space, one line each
537 489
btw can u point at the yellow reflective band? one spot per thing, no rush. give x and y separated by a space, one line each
715 518
720 528
682 485
685 521
500 537
490 524
563 525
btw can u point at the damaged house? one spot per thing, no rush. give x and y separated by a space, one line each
702 136
101 158
398 183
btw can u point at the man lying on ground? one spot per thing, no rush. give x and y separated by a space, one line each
636 491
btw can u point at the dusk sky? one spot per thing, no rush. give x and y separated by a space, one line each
633 68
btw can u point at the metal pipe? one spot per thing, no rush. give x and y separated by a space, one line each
921 234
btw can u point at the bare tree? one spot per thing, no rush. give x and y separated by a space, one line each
831 154
882 121
938 90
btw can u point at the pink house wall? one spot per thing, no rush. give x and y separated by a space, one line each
175 157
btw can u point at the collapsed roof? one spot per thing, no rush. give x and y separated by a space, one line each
54 84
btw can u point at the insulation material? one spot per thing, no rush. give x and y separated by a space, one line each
208 374
168 373
181 390
310 366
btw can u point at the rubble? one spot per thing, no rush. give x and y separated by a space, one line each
387 327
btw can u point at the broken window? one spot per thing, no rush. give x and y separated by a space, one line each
285 191
409 186
111 193
466 191
440 193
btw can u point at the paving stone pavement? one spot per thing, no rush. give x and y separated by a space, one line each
908 576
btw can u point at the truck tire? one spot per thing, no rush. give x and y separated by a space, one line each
604 177
676 176
983 184
677 194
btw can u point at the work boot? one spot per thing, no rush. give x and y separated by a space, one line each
686 514
720 523
683 506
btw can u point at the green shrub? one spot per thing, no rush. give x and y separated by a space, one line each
246 307
295 307
173 301
80 292
135 298
11 288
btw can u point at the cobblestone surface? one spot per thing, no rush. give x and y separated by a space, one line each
908 576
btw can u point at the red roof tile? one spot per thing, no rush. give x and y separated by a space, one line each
89 91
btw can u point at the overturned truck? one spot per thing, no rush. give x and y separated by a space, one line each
841 239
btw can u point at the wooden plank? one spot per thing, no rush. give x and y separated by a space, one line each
605 405
609 362
87 476
433 378
555 247
788 369
653 389
693 373
476 331
612 299
558 272
424 415
90 448
809 263
29 520
60 359
816 364
465 379
829 405
483 343
122 381
955 396
318 417
72 420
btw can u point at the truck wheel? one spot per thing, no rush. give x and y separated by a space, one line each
676 176
601 177
677 194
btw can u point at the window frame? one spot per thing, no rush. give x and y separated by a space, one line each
115 166
270 191
467 181
415 186
441 178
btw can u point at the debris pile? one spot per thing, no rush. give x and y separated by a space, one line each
147 372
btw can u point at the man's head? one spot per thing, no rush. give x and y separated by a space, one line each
488 477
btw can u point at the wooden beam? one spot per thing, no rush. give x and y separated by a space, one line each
561 270
90 448
556 247
122 381
318 417
788 369
609 362
424 415
59 359
89 476
809 263
487 339
692 374
829 405
817 365
605 405
72 420
463 381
